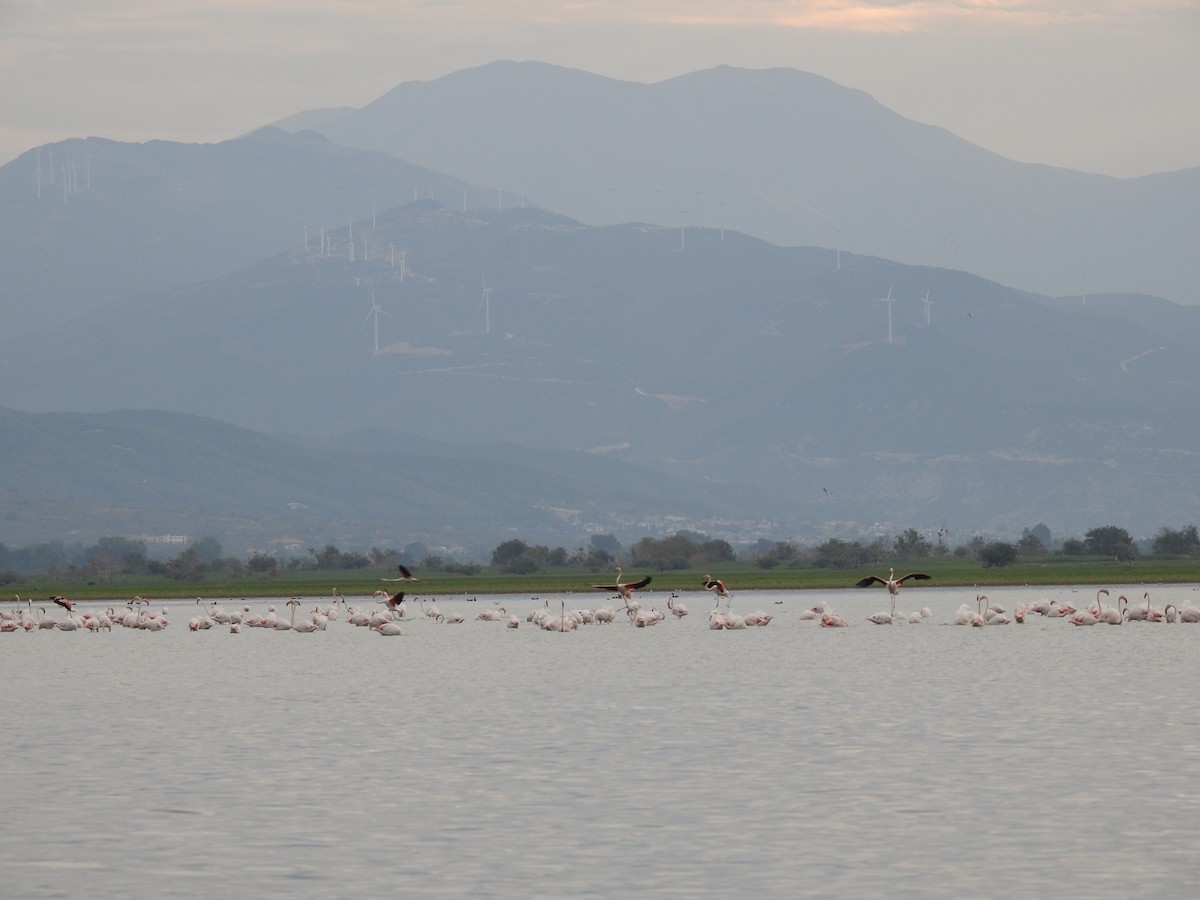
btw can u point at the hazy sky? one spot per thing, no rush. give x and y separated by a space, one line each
1109 86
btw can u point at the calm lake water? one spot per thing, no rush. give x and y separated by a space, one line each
465 760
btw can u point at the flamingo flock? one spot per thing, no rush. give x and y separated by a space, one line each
386 614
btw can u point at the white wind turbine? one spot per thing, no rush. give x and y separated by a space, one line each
374 311
486 302
928 303
889 301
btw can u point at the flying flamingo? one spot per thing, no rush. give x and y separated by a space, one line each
405 575
892 583
64 603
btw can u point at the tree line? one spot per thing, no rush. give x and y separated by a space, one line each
683 550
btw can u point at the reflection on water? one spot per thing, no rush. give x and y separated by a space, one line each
474 760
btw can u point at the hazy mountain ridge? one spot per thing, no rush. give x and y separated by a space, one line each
760 376
745 380
129 472
793 158
140 217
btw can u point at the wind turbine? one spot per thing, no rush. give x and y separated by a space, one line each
487 306
928 303
889 301
374 311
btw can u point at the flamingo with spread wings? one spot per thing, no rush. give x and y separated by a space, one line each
892 583
624 588
405 575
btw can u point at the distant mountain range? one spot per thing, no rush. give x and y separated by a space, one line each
77 477
470 363
131 218
760 374
792 158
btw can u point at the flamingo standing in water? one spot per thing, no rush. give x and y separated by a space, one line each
717 586
394 602
678 610
64 603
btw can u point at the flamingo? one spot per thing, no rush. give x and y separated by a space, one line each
892 583
405 575
1111 615
881 618
1098 605
492 615
717 586
678 610
562 622
964 616
624 589
392 601
993 614
388 629
830 619
815 611
304 627
64 603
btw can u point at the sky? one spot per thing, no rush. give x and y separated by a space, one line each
1104 86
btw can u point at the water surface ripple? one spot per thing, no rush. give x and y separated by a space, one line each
472 760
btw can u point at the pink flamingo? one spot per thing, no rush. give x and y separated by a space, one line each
624 589
717 586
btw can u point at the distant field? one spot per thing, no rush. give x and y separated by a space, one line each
741 576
